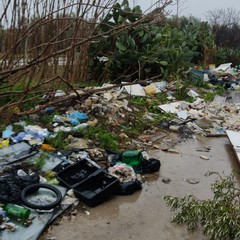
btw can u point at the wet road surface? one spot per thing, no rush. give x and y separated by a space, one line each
144 215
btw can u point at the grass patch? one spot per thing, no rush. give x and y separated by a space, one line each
58 142
104 138
140 124
149 103
209 96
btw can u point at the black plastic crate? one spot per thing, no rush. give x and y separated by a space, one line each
96 189
78 172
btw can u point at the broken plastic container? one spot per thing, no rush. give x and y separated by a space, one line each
78 172
96 189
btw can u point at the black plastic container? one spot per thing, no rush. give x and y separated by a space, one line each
78 172
96 189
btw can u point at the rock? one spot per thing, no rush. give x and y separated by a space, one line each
166 180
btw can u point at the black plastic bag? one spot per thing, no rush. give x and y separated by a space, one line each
150 166
11 186
128 188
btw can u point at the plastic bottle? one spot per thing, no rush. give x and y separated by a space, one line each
17 212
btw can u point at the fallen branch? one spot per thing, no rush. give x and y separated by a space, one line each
72 97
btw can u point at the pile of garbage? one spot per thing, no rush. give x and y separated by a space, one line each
37 185
225 75
38 182
205 118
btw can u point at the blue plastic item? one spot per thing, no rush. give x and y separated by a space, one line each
49 110
79 116
74 121
7 133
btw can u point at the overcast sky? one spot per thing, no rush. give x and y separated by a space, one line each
197 8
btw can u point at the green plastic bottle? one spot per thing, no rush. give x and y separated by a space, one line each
17 212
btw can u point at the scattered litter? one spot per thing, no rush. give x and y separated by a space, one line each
192 93
192 180
15 152
8 132
166 180
9 226
205 149
223 67
59 93
150 89
4 143
204 157
123 172
170 150
183 115
135 90
47 147
161 85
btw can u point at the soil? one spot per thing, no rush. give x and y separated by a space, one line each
144 215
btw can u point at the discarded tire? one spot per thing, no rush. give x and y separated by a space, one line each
34 188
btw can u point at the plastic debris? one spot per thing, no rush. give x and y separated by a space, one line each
34 134
47 147
150 89
15 152
4 143
59 93
79 116
192 93
123 172
7 133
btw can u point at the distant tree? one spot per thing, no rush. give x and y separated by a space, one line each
225 25
227 17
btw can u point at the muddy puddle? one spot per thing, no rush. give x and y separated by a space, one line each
144 215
